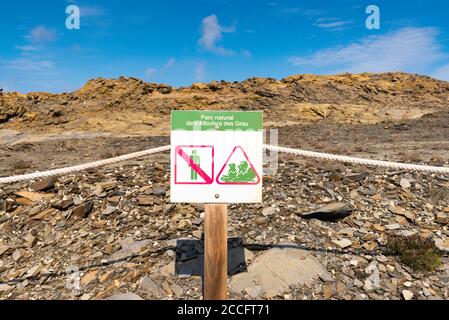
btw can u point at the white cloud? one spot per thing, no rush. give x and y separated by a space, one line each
42 34
408 49
24 64
149 72
211 34
200 71
169 64
442 73
28 48
332 25
309 13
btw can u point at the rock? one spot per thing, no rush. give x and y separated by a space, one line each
358 283
215 85
343 243
83 211
63 204
197 234
148 285
105 276
393 226
200 86
183 224
276 270
18 253
33 271
109 210
407 295
5 288
330 212
159 192
198 221
177 290
159 166
164 88
268 211
373 281
356 177
402 212
442 218
30 240
129 248
114 200
109 185
349 232
371 267
44 184
438 195
442 244
328 291
254 292
405 183
145 201
33 196
368 285
169 269
4 249
89 277
125 296
24 202
326 277
77 200
382 259
261 220
42 215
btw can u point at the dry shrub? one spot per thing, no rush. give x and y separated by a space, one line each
418 253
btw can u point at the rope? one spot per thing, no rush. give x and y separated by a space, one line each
82 167
353 160
304 153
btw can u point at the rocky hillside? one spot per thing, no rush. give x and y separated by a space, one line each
131 106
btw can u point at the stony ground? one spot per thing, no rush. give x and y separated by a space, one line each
115 227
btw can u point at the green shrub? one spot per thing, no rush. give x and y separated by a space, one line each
418 253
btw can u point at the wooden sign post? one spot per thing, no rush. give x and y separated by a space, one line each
216 158
215 252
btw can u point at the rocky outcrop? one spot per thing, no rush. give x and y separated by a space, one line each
130 105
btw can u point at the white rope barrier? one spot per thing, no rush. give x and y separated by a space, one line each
353 160
299 152
82 167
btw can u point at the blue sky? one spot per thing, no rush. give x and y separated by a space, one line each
181 42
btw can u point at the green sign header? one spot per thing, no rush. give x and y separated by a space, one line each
200 120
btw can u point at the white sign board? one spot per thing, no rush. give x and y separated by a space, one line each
216 157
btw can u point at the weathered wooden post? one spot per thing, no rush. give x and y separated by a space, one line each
215 252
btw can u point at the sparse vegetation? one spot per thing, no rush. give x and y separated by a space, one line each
418 253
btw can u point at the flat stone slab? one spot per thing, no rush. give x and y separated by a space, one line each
125 296
276 270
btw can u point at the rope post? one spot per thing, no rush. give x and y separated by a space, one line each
215 252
